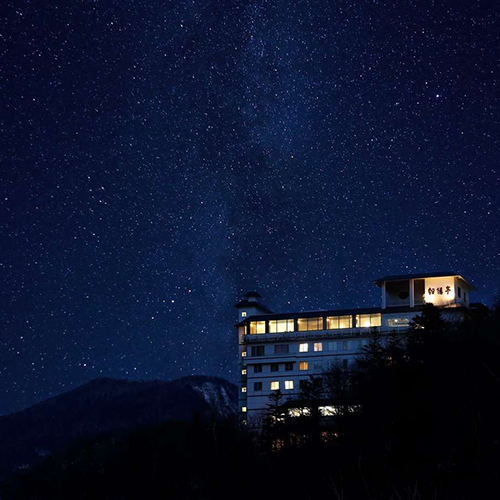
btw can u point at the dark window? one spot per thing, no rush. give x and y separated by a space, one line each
302 383
459 292
281 349
275 367
257 368
288 367
465 297
258 350
257 386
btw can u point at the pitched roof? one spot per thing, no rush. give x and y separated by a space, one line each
248 303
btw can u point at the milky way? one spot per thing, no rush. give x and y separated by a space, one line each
160 158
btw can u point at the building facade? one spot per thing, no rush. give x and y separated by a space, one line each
278 351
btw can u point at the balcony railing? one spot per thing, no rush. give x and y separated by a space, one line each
396 303
320 334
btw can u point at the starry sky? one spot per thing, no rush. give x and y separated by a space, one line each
160 158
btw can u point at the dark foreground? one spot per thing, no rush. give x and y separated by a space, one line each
417 419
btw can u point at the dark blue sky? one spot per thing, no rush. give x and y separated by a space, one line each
159 158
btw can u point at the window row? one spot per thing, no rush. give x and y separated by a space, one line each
313 324
340 345
274 385
324 411
318 365
274 367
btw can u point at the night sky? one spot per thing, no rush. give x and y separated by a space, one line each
160 158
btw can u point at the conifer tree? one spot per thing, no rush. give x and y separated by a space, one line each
273 425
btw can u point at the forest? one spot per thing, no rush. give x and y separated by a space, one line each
417 417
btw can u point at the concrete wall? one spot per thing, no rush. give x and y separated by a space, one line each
334 351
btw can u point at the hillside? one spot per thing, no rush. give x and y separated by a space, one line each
103 405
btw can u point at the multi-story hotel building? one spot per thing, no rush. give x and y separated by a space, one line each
278 351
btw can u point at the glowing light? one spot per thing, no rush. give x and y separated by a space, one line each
439 292
257 327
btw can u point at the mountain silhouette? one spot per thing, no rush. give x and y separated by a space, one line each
104 405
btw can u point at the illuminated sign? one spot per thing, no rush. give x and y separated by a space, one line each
439 290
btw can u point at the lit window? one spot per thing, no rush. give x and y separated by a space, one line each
257 327
345 321
243 389
303 366
243 409
243 354
368 320
288 385
281 325
289 367
243 314
257 386
281 349
318 346
275 385
328 411
398 322
299 412
304 347
310 324
275 367
244 371
336 322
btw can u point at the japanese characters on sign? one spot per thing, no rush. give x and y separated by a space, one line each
439 290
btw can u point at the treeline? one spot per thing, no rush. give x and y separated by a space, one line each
417 417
